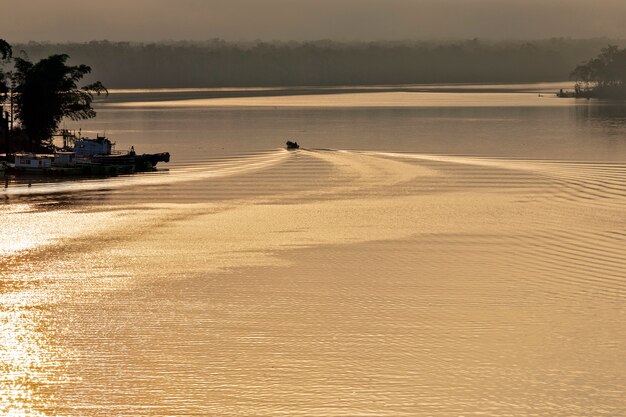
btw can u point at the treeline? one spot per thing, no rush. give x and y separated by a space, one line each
603 76
218 63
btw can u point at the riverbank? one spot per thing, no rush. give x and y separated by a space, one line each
604 93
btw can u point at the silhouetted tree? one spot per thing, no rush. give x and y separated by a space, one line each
47 92
5 54
604 75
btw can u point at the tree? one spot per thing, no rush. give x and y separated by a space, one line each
47 91
604 75
5 54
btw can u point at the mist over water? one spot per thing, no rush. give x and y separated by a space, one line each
455 251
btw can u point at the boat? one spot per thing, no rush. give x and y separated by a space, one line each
30 163
101 151
141 163
82 156
292 145
49 165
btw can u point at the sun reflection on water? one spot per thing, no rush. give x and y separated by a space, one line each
30 356
27 358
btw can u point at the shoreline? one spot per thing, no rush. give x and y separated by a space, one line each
178 94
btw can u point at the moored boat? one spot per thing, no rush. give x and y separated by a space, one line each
145 162
81 156
101 151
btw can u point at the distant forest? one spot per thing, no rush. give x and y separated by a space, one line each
218 63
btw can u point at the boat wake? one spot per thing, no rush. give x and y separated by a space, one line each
557 224
191 172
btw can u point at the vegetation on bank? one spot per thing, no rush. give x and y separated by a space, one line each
41 94
6 52
603 76
218 63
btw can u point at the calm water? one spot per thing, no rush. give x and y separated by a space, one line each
429 252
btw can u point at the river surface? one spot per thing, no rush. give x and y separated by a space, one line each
430 251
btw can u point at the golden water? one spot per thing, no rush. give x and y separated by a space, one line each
385 281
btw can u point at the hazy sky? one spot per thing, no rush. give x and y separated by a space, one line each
151 20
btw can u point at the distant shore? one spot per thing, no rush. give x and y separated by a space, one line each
123 95
606 93
218 63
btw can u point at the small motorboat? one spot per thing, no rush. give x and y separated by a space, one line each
292 145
